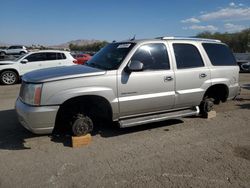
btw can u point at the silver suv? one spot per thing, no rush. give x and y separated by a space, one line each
132 83
14 50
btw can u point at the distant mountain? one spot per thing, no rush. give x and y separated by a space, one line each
80 42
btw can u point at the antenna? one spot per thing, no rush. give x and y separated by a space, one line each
133 37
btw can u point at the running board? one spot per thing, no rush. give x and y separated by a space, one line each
158 117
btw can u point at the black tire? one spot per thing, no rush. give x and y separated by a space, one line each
8 77
206 106
82 125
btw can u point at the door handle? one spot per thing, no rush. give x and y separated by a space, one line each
168 78
203 75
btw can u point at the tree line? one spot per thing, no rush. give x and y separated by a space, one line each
239 42
94 47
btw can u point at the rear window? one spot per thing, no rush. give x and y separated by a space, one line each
219 54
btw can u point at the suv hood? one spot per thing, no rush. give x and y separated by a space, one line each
6 62
61 73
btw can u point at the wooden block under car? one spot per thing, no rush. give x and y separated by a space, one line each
211 114
78 141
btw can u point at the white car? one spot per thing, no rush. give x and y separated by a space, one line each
14 50
11 71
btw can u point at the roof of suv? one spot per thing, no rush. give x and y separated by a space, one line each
55 51
20 46
175 39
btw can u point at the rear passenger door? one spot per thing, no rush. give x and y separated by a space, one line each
51 60
54 59
192 76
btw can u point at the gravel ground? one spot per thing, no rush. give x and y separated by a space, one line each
189 152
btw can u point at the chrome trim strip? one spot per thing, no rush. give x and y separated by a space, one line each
146 96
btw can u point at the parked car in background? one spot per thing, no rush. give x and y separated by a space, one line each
11 71
131 82
14 50
243 60
246 66
82 58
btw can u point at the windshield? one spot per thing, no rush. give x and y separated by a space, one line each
111 56
20 57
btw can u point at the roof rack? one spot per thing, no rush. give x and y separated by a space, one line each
188 38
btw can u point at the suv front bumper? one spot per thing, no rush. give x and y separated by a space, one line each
39 120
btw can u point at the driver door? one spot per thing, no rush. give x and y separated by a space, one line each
150 90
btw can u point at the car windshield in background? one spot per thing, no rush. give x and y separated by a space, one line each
111 56
20 57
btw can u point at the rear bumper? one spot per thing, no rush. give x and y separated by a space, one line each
39 120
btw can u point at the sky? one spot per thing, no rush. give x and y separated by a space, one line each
51 22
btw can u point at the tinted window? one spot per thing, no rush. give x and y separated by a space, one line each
15 47
187 56
153 57
61 56
219 54
51 56
37 57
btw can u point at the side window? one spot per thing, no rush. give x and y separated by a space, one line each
36 57
219 54
153 57
60 56
51 56
187 56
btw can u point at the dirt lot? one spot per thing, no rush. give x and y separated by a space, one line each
191 152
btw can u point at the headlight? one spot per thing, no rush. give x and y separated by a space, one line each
31 93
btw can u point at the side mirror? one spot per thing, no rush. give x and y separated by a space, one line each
134 66
24 61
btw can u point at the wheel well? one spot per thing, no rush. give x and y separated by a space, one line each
14 70
94 106
218 92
